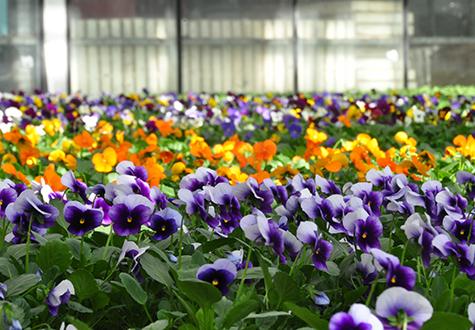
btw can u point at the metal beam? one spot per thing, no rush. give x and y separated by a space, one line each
295 52
405 48
179 48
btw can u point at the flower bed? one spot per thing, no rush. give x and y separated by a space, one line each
235 211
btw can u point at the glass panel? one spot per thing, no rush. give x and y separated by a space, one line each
347 44
20 50
442 42
123 45
240 45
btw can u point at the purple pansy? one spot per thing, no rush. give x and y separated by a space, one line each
467 179
7 196
365 229
69 180
359 317
396 274
219 274
129 213
128 168
131 250
28 208
165 223
59 295
399 308
82 218
453 204
307 233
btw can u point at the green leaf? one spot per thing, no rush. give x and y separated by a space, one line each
54 253
283 289
7 269
156 269
84 283
200 292
20 284
158 325
267 314
75 247
77 307
133 288
444 321
78 324
306 315
239 311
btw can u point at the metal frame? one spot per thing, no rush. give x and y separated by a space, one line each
68 43
179 49
295 41
405 47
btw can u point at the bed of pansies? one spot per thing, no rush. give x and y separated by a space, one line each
326 211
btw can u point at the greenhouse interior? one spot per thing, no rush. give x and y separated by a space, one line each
237 164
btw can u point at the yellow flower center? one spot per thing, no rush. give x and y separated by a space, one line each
215 282
393 279
225 220
129 219
364 235
1 203
317 251
82 221
164 228
462 232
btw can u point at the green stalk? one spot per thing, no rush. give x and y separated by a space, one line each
81 251
243 279
5 226
28 242
371 291
180 243
109 238
452 288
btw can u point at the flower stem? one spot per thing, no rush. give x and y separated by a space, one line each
5 226
180 243
452 288
27 248
81 251
148 313
109 238
243 279
371 291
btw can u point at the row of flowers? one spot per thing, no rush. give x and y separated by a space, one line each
403 248
45 150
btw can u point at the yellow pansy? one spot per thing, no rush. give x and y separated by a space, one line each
104 162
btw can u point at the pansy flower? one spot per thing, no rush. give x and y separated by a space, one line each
402 309
219 274
59 295
359 317
129 213
307 233
165 223
82 218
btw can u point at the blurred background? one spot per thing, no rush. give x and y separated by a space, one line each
116 46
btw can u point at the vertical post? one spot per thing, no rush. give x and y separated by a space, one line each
41 50
68 45
295 46
405 49
179 48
